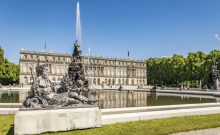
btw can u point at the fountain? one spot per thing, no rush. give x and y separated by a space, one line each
63 104
78 24
43 93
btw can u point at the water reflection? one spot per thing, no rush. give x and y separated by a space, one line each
122 99
9 97
116 99
155 99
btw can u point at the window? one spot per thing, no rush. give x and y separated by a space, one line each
94 81
26 68
123 82
55 69
26 80
113 81
105 81
34 57
132 82
31 57
98 81
109 82
54 79
119 81
127 81
58 69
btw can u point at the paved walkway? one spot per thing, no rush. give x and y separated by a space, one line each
211 131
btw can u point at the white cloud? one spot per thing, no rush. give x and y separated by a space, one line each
217 36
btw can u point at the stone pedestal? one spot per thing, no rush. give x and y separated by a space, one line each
39 121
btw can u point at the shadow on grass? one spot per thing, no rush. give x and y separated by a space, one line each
11 130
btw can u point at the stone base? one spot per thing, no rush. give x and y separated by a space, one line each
39 121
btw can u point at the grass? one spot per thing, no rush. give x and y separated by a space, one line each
6 124
150 127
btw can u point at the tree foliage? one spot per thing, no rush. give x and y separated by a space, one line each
176 70
9 72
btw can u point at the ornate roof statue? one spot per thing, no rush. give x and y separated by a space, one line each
45 94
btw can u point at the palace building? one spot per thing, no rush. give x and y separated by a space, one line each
100 71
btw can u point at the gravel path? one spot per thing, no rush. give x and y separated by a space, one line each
211 131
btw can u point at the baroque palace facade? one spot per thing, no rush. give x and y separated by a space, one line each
100 70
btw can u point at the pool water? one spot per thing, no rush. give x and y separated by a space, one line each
121 99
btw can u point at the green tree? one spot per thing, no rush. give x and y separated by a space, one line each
9 72
176 70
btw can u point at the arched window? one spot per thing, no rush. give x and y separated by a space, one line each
109 82
26 80
58 69
109 72
106 81
123 82
54 79
125 73
27 68
127 81
119 81
105 73
98 81
94 81
55 69
24 68
132 82
90 81
118 72
122 72
113 81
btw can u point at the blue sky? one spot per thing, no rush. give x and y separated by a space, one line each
148 28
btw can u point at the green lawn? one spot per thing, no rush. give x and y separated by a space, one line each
150 127
6 124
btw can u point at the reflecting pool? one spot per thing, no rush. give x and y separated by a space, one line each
121 99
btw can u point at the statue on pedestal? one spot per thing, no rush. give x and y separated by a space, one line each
214 77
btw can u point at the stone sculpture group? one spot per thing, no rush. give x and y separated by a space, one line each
45 94
214 77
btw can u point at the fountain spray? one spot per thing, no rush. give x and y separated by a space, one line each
78 25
